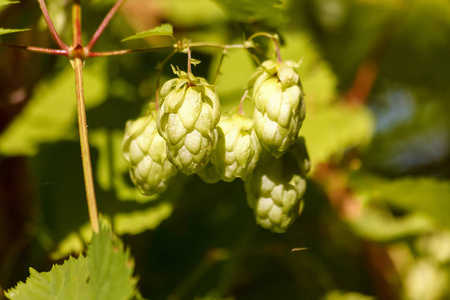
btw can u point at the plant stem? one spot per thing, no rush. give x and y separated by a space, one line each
37 49
274 39
78 53
189 60
76 24
51 27
158 76
224 52
84 142
103 25
241 104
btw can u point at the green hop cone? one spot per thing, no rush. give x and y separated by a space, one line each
279 106
145 150
276 187
187 119
237 150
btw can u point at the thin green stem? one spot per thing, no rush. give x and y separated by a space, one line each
274 39
189 70
104 23
241 103
84 143
158 76
51 27
224 52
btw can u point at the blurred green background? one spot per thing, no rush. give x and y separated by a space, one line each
376 223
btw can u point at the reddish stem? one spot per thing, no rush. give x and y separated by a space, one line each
76 24
241 104
189 60
51 27
37 49
104 23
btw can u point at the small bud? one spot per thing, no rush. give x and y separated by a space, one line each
276 187
279 106
145 150
237 150
187 119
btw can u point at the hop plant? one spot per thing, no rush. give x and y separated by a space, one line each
276 187
237 150
145 150
187 119
279 106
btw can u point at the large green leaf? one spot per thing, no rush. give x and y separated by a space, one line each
51 113
427 196
105 273
331 130
110 267
66 281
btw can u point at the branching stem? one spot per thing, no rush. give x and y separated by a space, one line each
51 27
103 25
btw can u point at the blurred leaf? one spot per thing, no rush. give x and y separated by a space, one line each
269 12
163 30
110 267
340 295
422 195
140 220
7 2
66 281
191 13
379 225
51 113
6 30
330 131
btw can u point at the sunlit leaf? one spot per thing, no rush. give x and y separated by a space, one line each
7 2
269 12
341 295
50 115
163 30
7 30
422 195
66 281
110 267
379 225
330 131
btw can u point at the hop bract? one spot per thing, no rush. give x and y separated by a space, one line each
276 187
187 119
237 150
279 106
145 150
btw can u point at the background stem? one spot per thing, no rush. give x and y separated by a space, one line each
84 142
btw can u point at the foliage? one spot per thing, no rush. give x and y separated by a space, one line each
374 223
105 273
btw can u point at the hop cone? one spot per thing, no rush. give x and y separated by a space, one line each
187 119
145 150
279 106
237 150
276 187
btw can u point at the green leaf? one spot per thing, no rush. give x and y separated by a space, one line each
67 281
50 115
331 130
110 267
422 195
269 12
7 30
163 30
7 2
340 295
